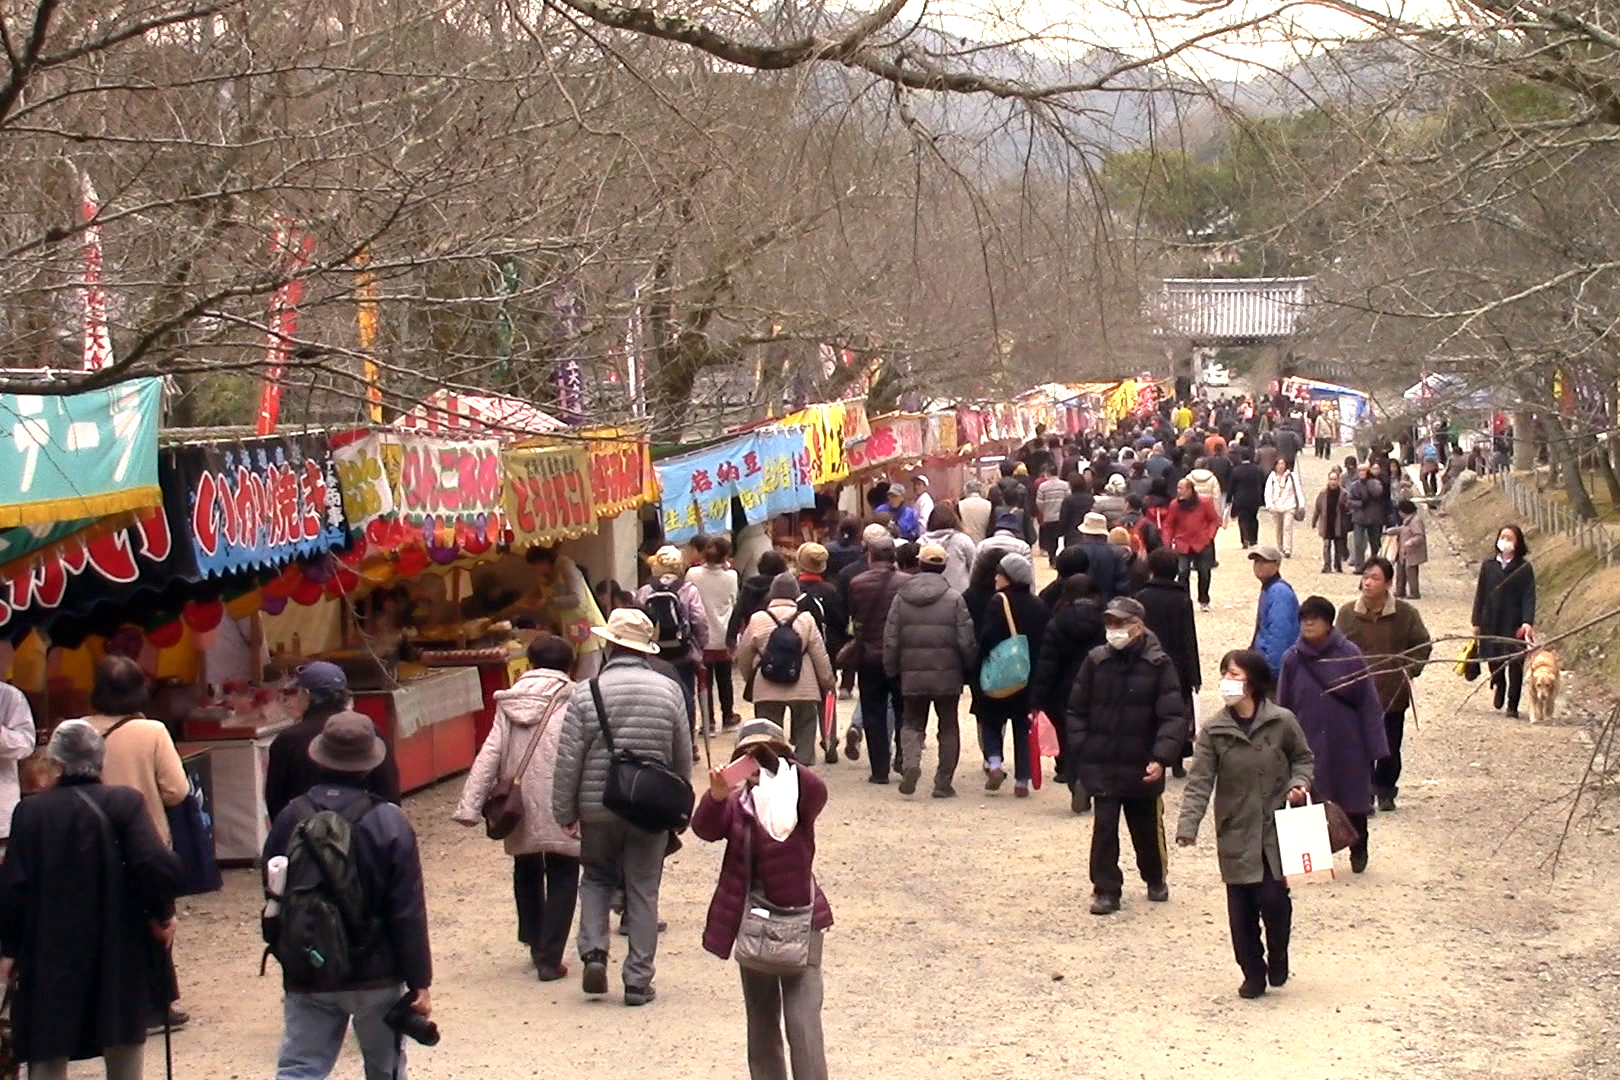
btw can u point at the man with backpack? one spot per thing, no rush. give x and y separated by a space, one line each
680 623
629 711
783 657
350 928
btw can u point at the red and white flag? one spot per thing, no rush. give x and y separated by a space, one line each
97 341
291 249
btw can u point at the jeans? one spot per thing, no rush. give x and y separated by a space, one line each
914 728
546 888
790 1003
122 1063
1247 907
316 1024
616 855
879 694
1201 561
801 720
1387 771
1144 817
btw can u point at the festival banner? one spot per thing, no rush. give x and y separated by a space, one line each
367 469
258 503
68 457
291 249
97 341
970 426
446 482
762 470
365 318
895 437
621 474
81 575
939 440
548 493
823 427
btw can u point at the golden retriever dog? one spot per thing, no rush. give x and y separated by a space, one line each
1542 677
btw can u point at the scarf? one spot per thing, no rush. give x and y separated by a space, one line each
775 799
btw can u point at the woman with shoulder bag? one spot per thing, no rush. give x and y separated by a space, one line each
1012 612
509 789
764 805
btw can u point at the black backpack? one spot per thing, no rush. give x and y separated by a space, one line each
783 656
811 603
324 926
668 614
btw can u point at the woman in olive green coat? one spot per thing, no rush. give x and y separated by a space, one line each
1254 757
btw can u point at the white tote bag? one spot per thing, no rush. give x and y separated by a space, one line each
1302 837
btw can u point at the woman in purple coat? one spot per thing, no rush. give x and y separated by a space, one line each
1325 683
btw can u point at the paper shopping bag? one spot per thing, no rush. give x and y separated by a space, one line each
1302 838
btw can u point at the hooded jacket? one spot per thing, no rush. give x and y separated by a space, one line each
535 707
751 597
959 553
1125 711
1250 772
1206 484
928 639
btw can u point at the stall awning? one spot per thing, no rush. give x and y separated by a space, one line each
446 412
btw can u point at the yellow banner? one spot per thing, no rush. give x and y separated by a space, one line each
823 427
548 493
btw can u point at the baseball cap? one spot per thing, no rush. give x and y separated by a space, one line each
320 676
932 555
1265 553
1123 607
875 532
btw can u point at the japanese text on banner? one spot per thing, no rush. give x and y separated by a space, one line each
768 472
363 474
621 475
443 482
548 493
80 455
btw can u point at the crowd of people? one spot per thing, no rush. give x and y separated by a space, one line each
586 782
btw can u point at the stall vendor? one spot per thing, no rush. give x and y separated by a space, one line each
547 588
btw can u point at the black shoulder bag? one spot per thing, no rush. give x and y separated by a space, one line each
642 790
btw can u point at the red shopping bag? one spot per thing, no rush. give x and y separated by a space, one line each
1035 753
1046 733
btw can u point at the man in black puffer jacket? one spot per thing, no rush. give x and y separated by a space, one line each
1126 723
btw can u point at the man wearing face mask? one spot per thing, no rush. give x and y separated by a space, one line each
1126 723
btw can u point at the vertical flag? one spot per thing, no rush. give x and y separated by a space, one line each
569 309
290 249
365 315
506 287
97 341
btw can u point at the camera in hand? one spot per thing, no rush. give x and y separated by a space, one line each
403 1019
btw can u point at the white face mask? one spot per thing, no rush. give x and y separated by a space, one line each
1118 637
1506 547
1232 690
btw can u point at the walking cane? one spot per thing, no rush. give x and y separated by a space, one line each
706 710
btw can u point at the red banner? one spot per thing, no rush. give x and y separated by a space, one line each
291 250
621 474
893 438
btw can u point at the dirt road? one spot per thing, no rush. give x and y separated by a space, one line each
963 947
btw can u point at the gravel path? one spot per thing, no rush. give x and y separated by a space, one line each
963 947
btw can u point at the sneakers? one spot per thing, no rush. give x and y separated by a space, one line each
1386 804
877 779
852 744
1104 904
994 778
908 780
594 980
1204 608
640 995
846 695
1159 894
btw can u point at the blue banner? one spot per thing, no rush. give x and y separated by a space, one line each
78 456
768 471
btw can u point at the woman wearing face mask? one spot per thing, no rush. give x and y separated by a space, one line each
764 805
1505 615
1255 758
1325 681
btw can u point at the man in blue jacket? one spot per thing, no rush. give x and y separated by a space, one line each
1276 623
905 516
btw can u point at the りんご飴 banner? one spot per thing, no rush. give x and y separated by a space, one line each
445 482
257 503
548 493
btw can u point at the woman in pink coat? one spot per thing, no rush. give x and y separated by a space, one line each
545 855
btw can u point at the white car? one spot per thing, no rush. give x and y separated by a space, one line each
1216 375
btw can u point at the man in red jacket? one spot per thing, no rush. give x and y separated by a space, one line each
1190 525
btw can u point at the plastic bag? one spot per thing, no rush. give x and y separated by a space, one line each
1046 736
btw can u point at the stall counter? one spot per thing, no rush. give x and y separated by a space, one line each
430 723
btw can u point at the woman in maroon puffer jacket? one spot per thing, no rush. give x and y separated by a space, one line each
783 871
